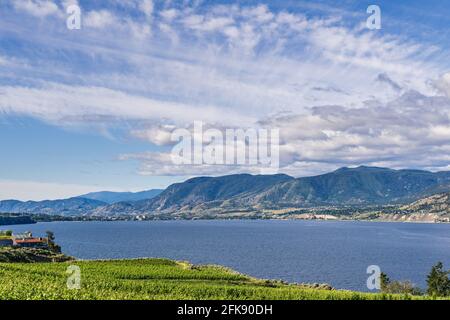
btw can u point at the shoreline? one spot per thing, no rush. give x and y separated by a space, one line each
238 219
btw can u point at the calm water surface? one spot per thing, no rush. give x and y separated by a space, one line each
337 253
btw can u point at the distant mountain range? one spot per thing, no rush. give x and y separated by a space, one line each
362 186
114 197
71 206
81 205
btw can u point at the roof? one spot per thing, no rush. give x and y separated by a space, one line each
26 235
31 240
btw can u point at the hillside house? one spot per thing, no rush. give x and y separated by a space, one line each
27 240
31 242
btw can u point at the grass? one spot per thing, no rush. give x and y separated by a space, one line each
158 279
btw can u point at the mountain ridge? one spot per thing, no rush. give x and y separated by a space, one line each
112 197
360 186
345 186
63 207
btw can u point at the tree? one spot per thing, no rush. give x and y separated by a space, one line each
438 281
384 282
50 236
51 242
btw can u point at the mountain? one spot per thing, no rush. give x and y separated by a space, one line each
65 207
201 191
253 195
215 189
343 187
357 186
114 197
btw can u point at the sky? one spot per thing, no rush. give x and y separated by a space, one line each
93 108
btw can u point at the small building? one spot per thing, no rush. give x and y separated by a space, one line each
31 242
28 241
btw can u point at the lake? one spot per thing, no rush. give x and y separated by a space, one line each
334 252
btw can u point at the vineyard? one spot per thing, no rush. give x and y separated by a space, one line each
152 279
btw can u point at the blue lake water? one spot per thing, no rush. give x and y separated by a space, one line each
337 253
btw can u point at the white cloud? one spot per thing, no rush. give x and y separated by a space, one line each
214 24
99 19
443 84
146 6
259 13
411 131
295 22
159 135
160 163
169 14
38 8
67 105
325 138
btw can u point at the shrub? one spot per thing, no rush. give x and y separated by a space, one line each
398 287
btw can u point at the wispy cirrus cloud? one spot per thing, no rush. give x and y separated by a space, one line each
346 89
38 8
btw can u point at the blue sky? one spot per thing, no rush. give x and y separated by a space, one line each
92 109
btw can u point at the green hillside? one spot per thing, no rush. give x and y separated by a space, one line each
153 279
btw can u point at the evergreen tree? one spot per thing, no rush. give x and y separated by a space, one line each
438 281
51 242
50 236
